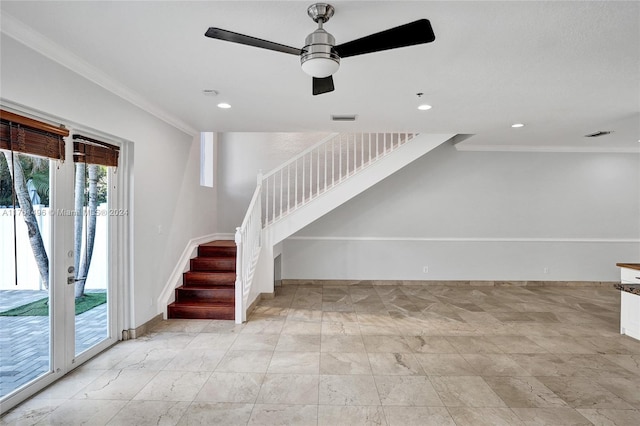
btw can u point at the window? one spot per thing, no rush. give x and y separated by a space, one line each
207 158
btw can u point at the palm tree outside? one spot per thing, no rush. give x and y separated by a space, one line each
24 179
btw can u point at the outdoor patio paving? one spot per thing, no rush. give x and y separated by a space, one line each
24 341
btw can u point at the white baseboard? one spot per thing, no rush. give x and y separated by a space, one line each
136 333
167 295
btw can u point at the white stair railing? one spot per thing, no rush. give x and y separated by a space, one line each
321 167
296 183
248 242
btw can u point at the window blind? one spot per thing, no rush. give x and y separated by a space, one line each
92 151
29 136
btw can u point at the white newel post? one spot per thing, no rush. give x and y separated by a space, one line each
240 311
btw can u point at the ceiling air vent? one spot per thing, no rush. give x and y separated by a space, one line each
598 134
351 117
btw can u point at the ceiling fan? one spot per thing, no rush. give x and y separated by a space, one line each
320 57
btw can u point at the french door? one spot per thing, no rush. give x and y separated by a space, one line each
85 224
58 296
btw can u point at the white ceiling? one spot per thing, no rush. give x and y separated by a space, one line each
565 69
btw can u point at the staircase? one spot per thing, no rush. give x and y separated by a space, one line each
208 289
286 200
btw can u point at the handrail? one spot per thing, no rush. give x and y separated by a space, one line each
248 243
303 153
252 204
321 167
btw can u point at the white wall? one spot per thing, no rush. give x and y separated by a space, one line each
240 157
481 216
169 206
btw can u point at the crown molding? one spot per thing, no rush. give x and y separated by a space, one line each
26 35
547 148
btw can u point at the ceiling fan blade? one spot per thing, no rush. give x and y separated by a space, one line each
322 85
410 34
225 35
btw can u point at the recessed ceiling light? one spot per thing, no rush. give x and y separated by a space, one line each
224 105
344 117
517 125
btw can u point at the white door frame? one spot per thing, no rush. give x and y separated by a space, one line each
62 318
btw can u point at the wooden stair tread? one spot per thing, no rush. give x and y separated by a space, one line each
196 278
208 290
214 258
219 243
213 264
203 305
216 286
204 293
224 248
211 273
206 287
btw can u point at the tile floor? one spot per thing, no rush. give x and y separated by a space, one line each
359 355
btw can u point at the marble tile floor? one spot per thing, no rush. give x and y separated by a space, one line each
368 355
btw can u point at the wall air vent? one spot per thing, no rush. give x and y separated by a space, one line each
598 134
351 117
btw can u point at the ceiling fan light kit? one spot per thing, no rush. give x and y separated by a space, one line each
320 57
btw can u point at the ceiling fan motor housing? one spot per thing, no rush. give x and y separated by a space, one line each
319 58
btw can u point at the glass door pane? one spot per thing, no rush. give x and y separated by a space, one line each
25 229
91 231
